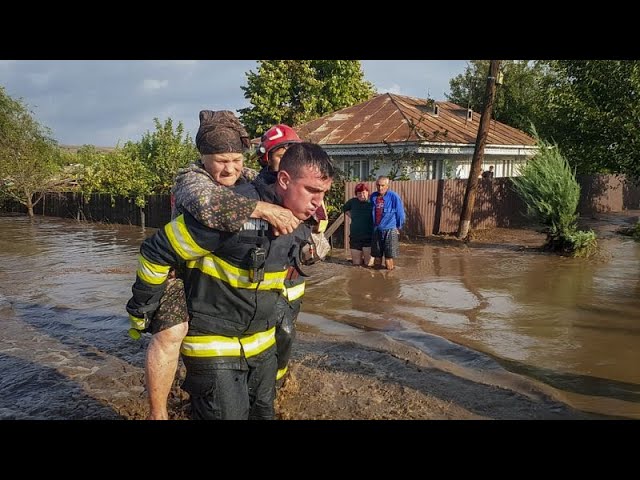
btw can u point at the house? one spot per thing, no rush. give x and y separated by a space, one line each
416 138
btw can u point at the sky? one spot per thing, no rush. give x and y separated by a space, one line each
106 102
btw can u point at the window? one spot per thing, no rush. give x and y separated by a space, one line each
356 169
426 171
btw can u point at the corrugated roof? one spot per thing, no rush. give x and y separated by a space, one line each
390 118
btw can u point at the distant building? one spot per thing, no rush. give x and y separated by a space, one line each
375 136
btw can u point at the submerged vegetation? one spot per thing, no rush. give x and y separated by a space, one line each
633 231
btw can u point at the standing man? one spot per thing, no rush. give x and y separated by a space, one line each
388 219
358 209
234 283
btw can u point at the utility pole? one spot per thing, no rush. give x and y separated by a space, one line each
478 153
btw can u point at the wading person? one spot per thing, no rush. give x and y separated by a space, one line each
359 210
388 219
202 189
273 145
234 284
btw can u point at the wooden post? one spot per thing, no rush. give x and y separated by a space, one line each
478 153
142 219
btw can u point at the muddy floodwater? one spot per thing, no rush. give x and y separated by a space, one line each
569 325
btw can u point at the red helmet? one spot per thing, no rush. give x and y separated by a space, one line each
276 136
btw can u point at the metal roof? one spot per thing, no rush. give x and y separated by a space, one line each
390 118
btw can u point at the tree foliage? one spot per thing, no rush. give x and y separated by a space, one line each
297 91
115 173
589 108
29 157
138 168
520 99
593 113
163 152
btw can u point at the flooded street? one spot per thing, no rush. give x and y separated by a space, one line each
572 325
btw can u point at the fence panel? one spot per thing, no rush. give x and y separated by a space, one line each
431 206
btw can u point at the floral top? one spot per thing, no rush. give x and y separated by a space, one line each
212 204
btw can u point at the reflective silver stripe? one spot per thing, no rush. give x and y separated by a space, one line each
258 342
210 346
182 241
295 292
237 277
151 272
219 346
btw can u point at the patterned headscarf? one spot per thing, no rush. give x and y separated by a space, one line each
221 132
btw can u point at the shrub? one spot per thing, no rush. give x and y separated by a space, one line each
551 193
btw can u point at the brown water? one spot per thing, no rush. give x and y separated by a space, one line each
572 324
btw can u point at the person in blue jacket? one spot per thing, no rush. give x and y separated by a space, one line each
388 219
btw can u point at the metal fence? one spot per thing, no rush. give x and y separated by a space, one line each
431 206
100 208
434 206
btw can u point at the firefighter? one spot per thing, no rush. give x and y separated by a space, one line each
234 284
273 145
202 190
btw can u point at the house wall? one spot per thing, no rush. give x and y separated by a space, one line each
504 165
437 166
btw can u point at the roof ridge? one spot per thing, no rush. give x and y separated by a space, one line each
413 126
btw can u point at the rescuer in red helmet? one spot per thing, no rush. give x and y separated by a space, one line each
273 145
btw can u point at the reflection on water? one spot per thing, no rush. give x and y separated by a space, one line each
570 323
573 324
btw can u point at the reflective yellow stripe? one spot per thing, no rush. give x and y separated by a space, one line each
219 346
295 292
237 277
151 272
182 241
281 372
322 226
136 322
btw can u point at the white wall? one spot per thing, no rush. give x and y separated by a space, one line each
504 166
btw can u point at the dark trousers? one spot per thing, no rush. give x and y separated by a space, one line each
286 333
222 393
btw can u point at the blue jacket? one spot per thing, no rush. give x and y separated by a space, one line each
393 214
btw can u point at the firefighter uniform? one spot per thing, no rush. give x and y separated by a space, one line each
235 284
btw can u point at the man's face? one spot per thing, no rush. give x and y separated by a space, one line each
225 168
303 195
275 156
382 186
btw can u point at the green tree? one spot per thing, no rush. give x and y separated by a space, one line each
520 99
139 168
297 91
163 151
593 113
116 173
29 157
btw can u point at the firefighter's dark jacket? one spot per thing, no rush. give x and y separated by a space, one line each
222 298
